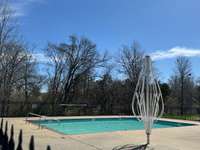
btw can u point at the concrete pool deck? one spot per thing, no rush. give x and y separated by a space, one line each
180 138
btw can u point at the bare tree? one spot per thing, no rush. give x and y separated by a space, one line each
131 62
11 64
16 65
28 79
7 28
181 83
71 62
197 95
105 92
56 76
5 33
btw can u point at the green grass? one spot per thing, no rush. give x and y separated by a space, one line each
183 117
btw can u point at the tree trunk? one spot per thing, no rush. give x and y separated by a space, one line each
182 99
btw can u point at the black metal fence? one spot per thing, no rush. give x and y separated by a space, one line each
8 142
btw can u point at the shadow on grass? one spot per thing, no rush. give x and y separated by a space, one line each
130 147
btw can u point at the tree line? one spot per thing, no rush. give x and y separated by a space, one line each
79 74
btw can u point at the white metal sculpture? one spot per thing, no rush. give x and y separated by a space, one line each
147 102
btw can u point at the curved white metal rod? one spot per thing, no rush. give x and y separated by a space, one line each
147 100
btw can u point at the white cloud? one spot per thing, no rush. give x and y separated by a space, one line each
20 7
157 55
175 52
40 57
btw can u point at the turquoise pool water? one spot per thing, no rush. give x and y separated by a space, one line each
84 126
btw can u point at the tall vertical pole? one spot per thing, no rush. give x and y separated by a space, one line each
148 138
147 73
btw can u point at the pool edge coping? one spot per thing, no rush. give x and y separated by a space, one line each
193 123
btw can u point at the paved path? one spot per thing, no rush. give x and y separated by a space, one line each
180 138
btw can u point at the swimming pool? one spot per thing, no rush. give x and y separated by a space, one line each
97 125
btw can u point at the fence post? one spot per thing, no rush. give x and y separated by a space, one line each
1 126
11 143
31 144
6 131
1 132
48 147
5 138
19 147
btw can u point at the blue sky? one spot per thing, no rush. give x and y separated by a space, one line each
164 28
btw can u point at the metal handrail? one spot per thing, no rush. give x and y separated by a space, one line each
58 121
37 115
